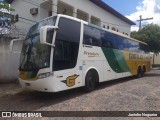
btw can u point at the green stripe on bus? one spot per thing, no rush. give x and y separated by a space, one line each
116 60
121 60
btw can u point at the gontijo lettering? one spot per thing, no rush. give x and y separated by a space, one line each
135 56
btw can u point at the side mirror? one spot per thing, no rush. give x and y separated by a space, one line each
12 44
43 34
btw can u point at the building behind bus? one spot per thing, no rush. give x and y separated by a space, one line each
93 11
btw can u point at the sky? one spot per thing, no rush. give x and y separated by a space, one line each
132 9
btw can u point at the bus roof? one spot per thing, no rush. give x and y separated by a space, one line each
99 27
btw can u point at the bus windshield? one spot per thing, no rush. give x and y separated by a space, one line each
34 55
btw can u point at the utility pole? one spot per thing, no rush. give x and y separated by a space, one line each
141 19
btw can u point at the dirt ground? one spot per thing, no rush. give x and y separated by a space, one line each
127 94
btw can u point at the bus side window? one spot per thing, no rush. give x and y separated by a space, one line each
136 46
106 44
107 40
92 36
133 46
66 44
118 42
59 50
125 44
88 41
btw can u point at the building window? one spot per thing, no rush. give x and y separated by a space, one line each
49 13
82 15
113 28
95 21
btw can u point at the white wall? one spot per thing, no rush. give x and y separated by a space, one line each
23 9
157 59
93 9
8 62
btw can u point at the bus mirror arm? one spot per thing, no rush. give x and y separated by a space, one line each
43 34
12 43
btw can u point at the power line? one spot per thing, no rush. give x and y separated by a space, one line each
27 19
26 22
141 19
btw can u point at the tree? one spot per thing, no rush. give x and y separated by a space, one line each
5 17
4 7
151 35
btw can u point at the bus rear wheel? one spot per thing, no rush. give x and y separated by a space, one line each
90 80
143 71
139 72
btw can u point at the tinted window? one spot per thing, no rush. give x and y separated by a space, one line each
68 30
92 36
97 37
108 40
66 44
121 42
144 48
125 44
133 46
62 50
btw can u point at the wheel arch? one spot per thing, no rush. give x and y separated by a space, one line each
144 67
139 67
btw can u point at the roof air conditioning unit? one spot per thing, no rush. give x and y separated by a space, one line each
34 11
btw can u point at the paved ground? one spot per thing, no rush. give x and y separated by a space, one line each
129 94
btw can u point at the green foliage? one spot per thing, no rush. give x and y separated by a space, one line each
5 6
5 13
151 35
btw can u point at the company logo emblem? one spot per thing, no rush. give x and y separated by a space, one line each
70 81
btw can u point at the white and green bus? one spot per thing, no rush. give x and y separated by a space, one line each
62 52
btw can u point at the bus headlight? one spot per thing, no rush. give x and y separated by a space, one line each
43 75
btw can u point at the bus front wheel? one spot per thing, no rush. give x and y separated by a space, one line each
90 80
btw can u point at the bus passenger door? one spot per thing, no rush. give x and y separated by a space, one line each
66 52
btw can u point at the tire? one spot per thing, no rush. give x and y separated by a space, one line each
139 72
143 71
90 81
